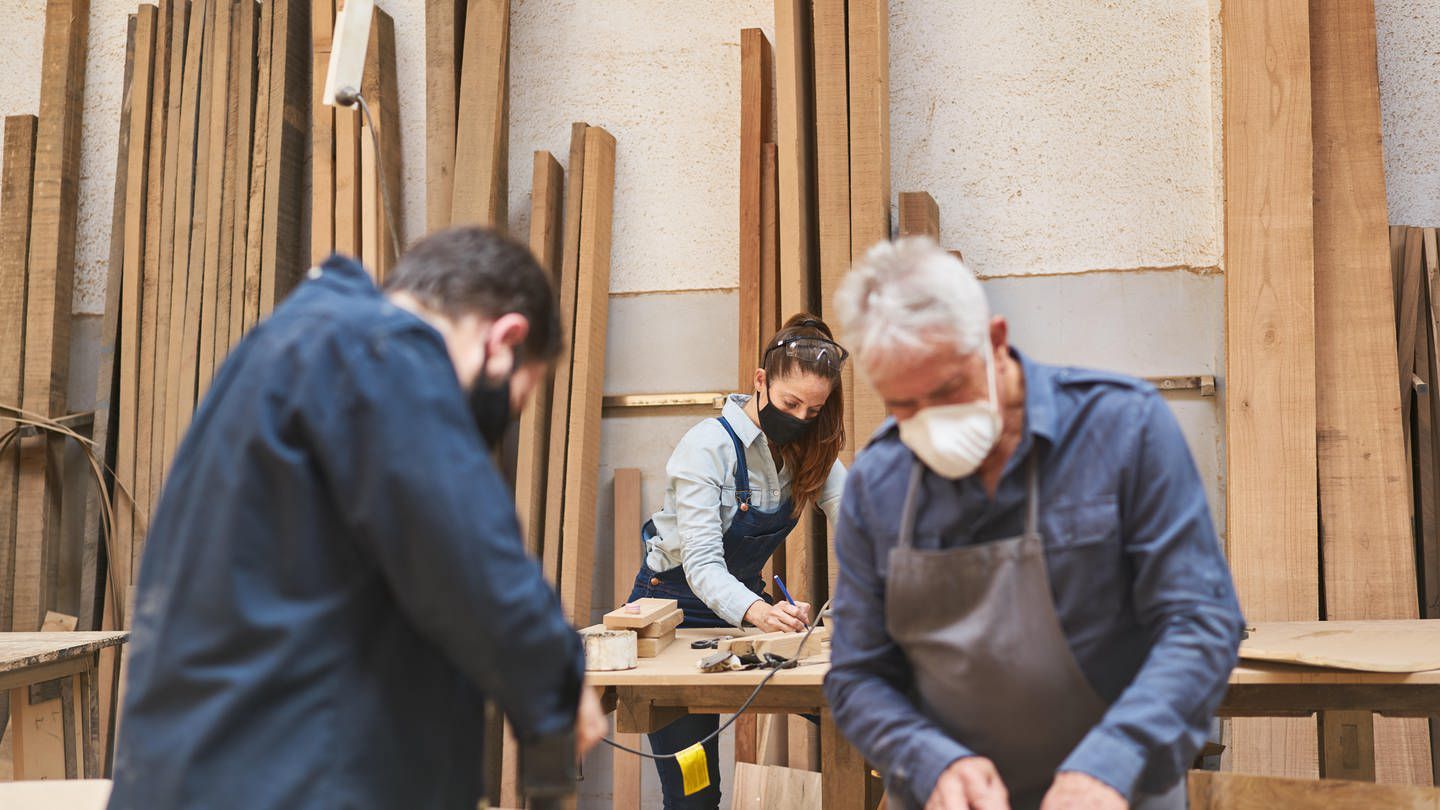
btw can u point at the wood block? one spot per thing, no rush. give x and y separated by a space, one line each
645 612
919 215
480 165
322 133
662 627
16 184
795 139
281 254
564 367
608 650
588 374
1233 791
756 79
49 292
546 201
444 33
785 645
1270 335
653 646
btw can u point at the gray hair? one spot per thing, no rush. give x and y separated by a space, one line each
908 294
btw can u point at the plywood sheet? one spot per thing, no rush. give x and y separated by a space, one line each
1270 335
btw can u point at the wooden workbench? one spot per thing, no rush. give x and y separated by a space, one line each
664 688
73 659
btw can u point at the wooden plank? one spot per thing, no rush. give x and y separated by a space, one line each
869 52
220 98
259 166
225 234
919 215
546 236
347 182
383 96
844 768
770 787
480 166
832 181
651 647
247 25
1233 791
640 613
756 79
322 134
1270 335
281 251
794 139
560 396
1411 281
444 32
770 317
662 626
588 381
629 516
1430 540
49 290
15 189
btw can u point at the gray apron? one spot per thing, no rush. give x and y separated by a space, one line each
990 660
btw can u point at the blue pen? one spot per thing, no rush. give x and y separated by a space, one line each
781 583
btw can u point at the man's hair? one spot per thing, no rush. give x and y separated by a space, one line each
474 270
908 294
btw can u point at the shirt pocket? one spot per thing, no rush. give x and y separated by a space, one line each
1086 523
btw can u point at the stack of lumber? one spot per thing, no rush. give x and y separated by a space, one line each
1416 265
652 620
1319 517
349 178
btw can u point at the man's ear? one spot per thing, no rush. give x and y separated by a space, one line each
999 334
506 335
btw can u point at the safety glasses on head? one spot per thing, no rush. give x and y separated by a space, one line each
810 350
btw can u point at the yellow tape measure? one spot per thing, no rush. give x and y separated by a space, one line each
694 768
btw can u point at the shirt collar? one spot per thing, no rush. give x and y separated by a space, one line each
734 413
1039 399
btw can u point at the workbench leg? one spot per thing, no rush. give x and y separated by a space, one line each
19 703
90 701
112 708
1347 746
69 728
842 769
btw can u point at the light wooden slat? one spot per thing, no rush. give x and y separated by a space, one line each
1430 543
546 241
444 33
322 134
592 307
179 373
383 95
347 182
625 769
480 165
1270 335
247 24
15 189
229 188
49 291
281 251
1233 791
869 36
259 163
770 317
756 102
220 100
369 214
1411 281
919 215
794 139
560 395
1365 519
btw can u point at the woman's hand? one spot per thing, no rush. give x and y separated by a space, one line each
780 617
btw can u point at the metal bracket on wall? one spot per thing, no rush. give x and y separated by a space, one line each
632 404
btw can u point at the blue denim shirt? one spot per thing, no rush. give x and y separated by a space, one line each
1143 593
334 580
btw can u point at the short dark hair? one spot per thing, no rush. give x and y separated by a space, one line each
471 269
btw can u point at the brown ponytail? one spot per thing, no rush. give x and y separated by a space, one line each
811 458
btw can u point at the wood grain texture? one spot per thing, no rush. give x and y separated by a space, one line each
382 93
1270 335
444 35
547 199
347 182
247 24
756 103
1430 540
229 187
259 168
16 185
638 614
769 787
869 40
629 516
919 215
1232 791
480 152
49 292
281 250
844 768
560 397
220 102
22 651
322 133
795 141
592 307
770 311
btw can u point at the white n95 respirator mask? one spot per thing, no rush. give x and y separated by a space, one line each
952 440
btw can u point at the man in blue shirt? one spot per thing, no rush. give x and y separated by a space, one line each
334 581
1033 609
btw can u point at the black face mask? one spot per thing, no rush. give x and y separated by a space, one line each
490 405
781 428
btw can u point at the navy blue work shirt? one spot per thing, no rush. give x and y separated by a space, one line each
1143 593
334 580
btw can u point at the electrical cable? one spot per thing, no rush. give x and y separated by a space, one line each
743 707
351 98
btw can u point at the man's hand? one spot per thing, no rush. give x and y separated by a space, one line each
591 725
1081 791
971 783
780 617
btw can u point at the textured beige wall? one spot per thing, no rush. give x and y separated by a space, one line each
1409 49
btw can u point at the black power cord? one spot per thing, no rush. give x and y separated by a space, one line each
349 97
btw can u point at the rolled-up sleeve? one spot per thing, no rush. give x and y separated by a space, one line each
832 492
869 676
699 471
406 466
1185 599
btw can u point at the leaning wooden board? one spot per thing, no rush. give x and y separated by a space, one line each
756 68
1368 547
215 188
247 25
629 514
1365 646
919 215
832 177
322 134
794 136
480 167
444 33
1270 336
259 167
281 262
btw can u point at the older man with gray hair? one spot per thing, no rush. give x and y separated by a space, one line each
1033 609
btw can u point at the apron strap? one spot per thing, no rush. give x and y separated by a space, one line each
1032 494
912 500
742 470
